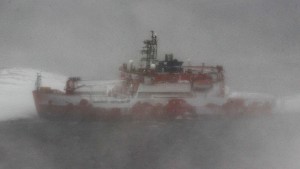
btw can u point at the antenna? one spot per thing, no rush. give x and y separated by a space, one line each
150 50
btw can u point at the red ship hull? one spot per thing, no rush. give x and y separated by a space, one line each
172 109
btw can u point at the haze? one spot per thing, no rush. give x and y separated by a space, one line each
257 41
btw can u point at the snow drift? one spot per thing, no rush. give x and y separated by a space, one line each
16 85
289 104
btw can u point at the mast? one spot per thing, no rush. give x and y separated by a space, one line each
38 81
150 50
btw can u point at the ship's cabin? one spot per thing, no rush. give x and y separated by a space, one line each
165 90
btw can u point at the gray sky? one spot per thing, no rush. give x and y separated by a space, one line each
257 41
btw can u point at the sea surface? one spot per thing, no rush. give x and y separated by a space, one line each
216 142
267 142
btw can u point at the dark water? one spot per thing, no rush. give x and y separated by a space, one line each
209 142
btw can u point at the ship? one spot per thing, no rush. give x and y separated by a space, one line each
153 89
